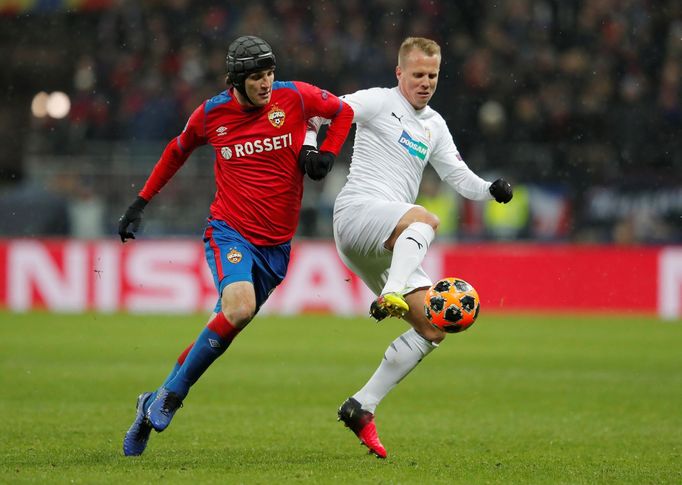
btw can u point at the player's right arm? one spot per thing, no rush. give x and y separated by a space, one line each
173 157
176 153
366 104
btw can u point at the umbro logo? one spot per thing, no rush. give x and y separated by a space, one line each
221 130
214 343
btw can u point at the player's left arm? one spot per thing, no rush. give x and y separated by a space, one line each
451 168
321 103
365 103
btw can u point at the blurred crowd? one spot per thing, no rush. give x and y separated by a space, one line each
572 95
599 78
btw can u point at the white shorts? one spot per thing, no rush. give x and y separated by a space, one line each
361 227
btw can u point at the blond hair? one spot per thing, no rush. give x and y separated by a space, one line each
427 46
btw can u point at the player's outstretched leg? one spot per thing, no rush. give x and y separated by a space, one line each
162 410
389 305
136 438
361 422
211 343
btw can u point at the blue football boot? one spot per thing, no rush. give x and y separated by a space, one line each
136 438
163 408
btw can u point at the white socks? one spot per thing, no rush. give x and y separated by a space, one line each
410 348
400 358
408 253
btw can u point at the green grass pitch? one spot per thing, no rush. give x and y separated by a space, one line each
517 399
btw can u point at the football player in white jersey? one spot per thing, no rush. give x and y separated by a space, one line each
380 234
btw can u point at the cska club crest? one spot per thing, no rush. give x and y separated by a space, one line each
234 256
276 116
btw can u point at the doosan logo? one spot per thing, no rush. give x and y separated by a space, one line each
416 148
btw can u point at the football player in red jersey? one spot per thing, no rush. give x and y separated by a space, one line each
256 128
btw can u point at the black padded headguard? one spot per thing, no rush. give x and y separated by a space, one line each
246 55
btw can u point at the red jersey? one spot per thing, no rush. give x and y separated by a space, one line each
258 180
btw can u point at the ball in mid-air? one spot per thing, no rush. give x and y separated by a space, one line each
452 305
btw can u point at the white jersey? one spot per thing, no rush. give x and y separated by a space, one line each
393 144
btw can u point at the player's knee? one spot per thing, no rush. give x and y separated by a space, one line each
238 302
239 314
432 220
424 328
423 215
433 334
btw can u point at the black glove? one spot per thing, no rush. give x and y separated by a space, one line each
132 216
315 163
501 190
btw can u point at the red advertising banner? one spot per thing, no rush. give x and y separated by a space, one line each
171 276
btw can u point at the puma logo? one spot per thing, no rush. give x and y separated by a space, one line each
399 118
415 241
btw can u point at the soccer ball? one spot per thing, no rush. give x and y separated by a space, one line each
452 305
